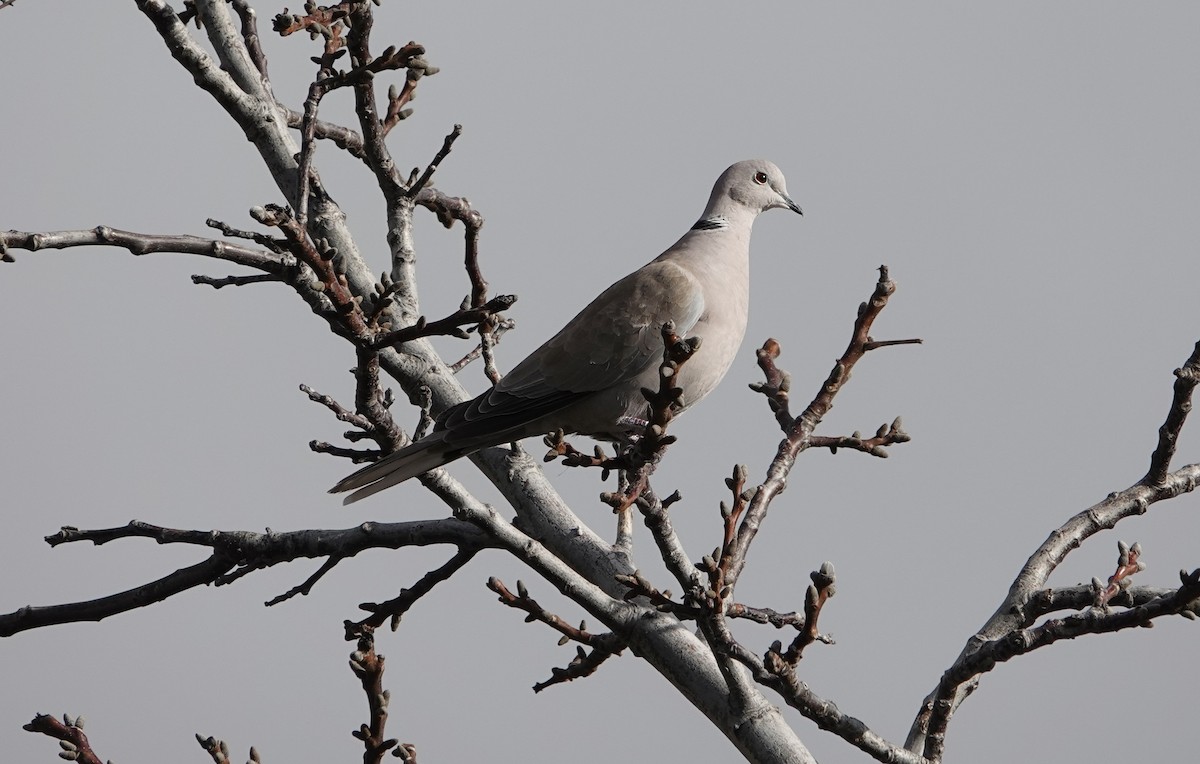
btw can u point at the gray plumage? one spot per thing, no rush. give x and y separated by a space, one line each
588 378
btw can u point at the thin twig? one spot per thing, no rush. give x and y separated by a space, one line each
356 456
217 283
395 608
341 412
443 152
306 587
604 646
502 326
815 597
886 435
1186 378
261 239
450 325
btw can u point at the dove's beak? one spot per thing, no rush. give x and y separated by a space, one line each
789 204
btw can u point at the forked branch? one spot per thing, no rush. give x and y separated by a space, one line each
799 430
1008 633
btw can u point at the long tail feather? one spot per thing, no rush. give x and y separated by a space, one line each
410 461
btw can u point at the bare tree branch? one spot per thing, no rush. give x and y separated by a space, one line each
1186 378
310 248
249 22
36 617
800 430
928 729
781 677
931 723
147 243
986 655
232 550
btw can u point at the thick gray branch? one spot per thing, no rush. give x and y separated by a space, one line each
1013 615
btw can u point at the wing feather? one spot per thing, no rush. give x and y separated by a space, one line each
610 343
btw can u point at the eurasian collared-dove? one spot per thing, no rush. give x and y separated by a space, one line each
588 378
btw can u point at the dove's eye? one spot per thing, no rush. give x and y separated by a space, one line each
760 177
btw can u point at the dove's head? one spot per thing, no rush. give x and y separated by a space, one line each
753 186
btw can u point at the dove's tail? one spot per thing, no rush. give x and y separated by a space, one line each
414 459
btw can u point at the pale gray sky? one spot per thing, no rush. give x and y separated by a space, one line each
1029 172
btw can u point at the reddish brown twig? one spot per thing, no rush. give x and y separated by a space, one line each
603 646
815 597
69 733
1127 564
640 586
799 431
522 601
886 435
368 666
372 401
451 325
731 514
560 447
777 384
583 664
319 256
715 599
318 19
